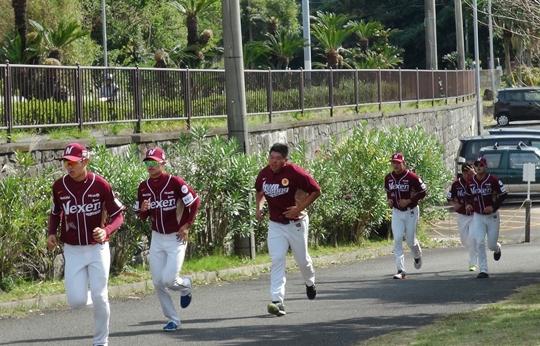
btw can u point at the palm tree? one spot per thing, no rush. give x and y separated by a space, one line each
330 31
283 46
19 9
192 9
56 41
365 32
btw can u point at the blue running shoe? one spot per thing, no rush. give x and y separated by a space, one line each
185 300
171 326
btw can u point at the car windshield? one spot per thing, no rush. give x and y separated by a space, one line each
493 159
517 160
533 96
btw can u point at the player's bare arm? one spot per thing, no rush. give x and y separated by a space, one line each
145 205
390 203
183 232
52 243
259 202
295 210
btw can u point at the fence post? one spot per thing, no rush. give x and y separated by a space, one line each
138 99
417 88
78 97
331 92
302 91
379 89
400 90
356 90
269 100
432 88
446 86
8 107
457 86
187 99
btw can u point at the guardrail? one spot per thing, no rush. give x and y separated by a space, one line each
37 96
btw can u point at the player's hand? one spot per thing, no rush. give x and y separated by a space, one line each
390 203
469 208
99 234
488 210
292 212
183 233
145 205
404 203
259 215
51 242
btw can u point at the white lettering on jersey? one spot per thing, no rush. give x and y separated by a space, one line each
274 190
392 185
88 209
166 204
188 199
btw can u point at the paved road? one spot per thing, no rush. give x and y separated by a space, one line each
355 302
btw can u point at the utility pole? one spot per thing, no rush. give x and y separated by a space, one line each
477 70
306 34
235 96
460 44
430 25
491 54
104 32
235 92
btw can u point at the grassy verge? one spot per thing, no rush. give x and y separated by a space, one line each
30 289
513 321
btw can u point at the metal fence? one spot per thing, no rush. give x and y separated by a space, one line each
53 96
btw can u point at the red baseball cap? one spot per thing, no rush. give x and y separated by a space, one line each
156 154
481 160
75 152
397 157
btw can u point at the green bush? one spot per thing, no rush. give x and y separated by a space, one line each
351 207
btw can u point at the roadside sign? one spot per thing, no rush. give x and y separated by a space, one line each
529 172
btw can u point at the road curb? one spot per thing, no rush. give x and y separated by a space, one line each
124 291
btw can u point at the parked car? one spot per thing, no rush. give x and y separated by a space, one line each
514 131
506 162
469 148
517 104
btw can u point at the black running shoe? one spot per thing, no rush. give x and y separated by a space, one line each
482 275
311 292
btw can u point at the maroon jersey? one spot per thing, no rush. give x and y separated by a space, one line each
281 188
488 192
406 185
173 203
83 206
457 193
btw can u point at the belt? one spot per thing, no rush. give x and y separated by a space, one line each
405 209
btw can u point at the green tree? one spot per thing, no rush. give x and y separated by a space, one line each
330 32
56 40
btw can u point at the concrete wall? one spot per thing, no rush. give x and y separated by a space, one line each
447 123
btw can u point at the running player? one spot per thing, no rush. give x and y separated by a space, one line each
289 190
485 195
85 206
456 196
404 190
172 206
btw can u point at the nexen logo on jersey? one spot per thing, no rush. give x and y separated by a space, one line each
401 187
274 190
481 191
166 204
88 209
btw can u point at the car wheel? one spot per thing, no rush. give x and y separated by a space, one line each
503 119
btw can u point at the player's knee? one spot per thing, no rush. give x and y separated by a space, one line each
77 301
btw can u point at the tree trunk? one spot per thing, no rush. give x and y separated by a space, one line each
192 28
507 42
19 9
332 57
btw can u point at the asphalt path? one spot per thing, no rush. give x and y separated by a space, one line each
355 302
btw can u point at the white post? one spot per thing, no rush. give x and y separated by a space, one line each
479 127
104 30
491 54
306 35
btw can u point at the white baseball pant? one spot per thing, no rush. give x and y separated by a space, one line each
404 224
481 225
166 257
467 240
280 238
88 265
